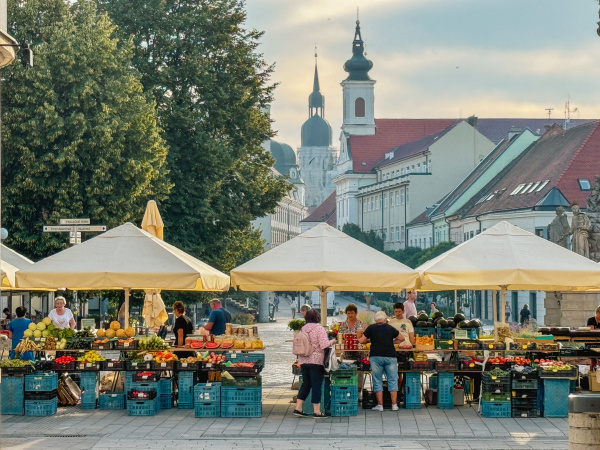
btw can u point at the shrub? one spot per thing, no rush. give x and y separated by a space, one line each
242 319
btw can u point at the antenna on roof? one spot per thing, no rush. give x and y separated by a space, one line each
549 112
568 112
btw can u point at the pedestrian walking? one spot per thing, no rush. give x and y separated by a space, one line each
293 308
525 315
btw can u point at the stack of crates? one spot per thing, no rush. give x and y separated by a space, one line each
495 395
12 395
165 393
307 406
185 389
344 392
412 390
207 400
445 390
138 406
244 399
111 400
555 397
524 398
89 385
41 395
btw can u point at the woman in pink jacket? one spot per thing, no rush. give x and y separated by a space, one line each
313 369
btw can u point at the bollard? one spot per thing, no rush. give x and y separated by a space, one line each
584 422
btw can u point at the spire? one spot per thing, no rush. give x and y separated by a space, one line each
358 66
316 100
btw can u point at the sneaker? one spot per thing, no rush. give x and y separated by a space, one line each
395 408
378 408
300 413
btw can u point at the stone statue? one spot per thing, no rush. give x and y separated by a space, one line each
580 226
559 229
593 201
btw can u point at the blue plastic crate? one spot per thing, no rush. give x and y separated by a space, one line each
237 356
207 392
556 398
89 404
528 384
41 381
307 406
433 382
142 407
445 390
165 386
12 392
111 401
166 401
424 331
495 409
241 409
144 386
412 390
572 386
186 390
344 393
342 409
241 394
41 407
444 333
89 383
207 409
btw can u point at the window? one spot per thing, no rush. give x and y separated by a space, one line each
515 305
472 234
385 200
516 191
402 197
584 184
377 202
392 198
539 232
407 195
533 304
465 236
397 197
398 233
541 186
411 243
359 107
485 304
412 168
402 233
430 241
403 171
372 204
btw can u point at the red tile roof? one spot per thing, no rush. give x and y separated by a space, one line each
390 133
420 219
325 212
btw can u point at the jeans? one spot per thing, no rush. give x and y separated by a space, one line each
312 378
387 364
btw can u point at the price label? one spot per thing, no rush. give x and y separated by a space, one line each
208 384
183 364
525 347
208 364
110 364
126 344
493 377
472 365
88 365
233 355
450 342
163 364
144 377
554 370
101 347
140 395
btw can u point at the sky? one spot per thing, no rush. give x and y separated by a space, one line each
434 58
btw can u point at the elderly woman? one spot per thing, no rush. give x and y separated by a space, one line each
352 324
383 358
61 316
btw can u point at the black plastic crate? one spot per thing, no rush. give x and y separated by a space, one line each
497 388
142 395
134 365
504 366
245 371
114 365
525 413
11 371
188 367
524 394
522 376
446 366
146 376
41 395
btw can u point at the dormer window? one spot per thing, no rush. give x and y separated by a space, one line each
584 184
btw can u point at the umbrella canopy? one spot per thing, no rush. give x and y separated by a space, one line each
323 258
154 311
124 257
10 264
152 222
505 256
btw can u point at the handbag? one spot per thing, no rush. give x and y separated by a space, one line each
331 362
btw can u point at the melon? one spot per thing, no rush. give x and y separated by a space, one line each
101 332
120 333
45 333
47 321
114 325
110 333
37 333
28 333
32 326
129 331
41 326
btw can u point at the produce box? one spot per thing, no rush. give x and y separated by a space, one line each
444 344
242 381
241 409
468 345
41 407
207 392
143 407
524 394
41 381
114 365
344 377
344 408
547 347
108 345
230 394
424 331
238 356
493 397
169 365
111 400
68 367
526 384
522 346
444 333
17 370
188 366
138 365
344 394
412 391
91 366
126 345
145 376
445 390
135 394
470 365
556 398
556 372
207 409
524 376
12 394
446 366
495 409
493 346
594 384
422 365
40 395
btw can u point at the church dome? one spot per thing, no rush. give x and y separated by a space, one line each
285 157
316 132
358 66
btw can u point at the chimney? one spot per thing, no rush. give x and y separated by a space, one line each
472 121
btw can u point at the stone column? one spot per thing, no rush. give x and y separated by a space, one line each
263 307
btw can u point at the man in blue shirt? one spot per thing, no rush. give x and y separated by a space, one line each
217 320
16 330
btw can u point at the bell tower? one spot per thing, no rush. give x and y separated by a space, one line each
358 91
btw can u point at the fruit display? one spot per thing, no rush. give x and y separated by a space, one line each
554 366
50 343
63 360
78 344
91 357
15 363
164 357
425 342
213 358
27 345
85 333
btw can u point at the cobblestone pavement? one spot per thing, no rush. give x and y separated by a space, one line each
426 428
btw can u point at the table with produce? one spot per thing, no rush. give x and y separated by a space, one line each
507 374
217 376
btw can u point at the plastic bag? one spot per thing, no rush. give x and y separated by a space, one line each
331 361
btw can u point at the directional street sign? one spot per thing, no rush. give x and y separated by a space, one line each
91 228
74 221
57 228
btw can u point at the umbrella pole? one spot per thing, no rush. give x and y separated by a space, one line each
455 302
503 305
323 306
127 291
495 312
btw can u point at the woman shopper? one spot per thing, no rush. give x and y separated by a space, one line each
525 315
312 367
383 358
61 316
352 324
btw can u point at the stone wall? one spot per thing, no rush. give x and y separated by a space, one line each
569 309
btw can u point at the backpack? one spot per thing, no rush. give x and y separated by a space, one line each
301 345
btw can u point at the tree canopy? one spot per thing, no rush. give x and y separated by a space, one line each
211 88
80 137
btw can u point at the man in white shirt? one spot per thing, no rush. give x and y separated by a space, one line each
404 326
409 305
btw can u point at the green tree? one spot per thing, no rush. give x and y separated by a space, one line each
80 138
211 87
370 238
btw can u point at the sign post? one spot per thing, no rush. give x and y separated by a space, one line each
74 227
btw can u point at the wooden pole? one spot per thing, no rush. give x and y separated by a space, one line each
323 293
127 292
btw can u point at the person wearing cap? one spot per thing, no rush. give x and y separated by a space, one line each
594 322
383 358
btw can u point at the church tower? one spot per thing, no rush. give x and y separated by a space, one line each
358 91
316 155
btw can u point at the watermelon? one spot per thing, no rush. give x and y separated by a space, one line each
196 344
212 345
226 344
